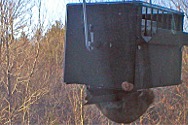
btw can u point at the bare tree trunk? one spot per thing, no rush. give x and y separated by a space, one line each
8 82
1 39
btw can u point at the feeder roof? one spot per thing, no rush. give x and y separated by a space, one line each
140 3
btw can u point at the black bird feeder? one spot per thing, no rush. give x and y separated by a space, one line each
113 42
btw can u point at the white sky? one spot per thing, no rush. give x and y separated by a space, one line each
51 10
55 9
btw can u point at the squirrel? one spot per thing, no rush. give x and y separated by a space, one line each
130 107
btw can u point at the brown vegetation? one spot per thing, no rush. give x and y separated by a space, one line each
32 89
38 95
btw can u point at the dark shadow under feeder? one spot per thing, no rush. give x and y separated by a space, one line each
127 41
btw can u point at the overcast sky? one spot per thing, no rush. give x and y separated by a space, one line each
51 10
55 9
